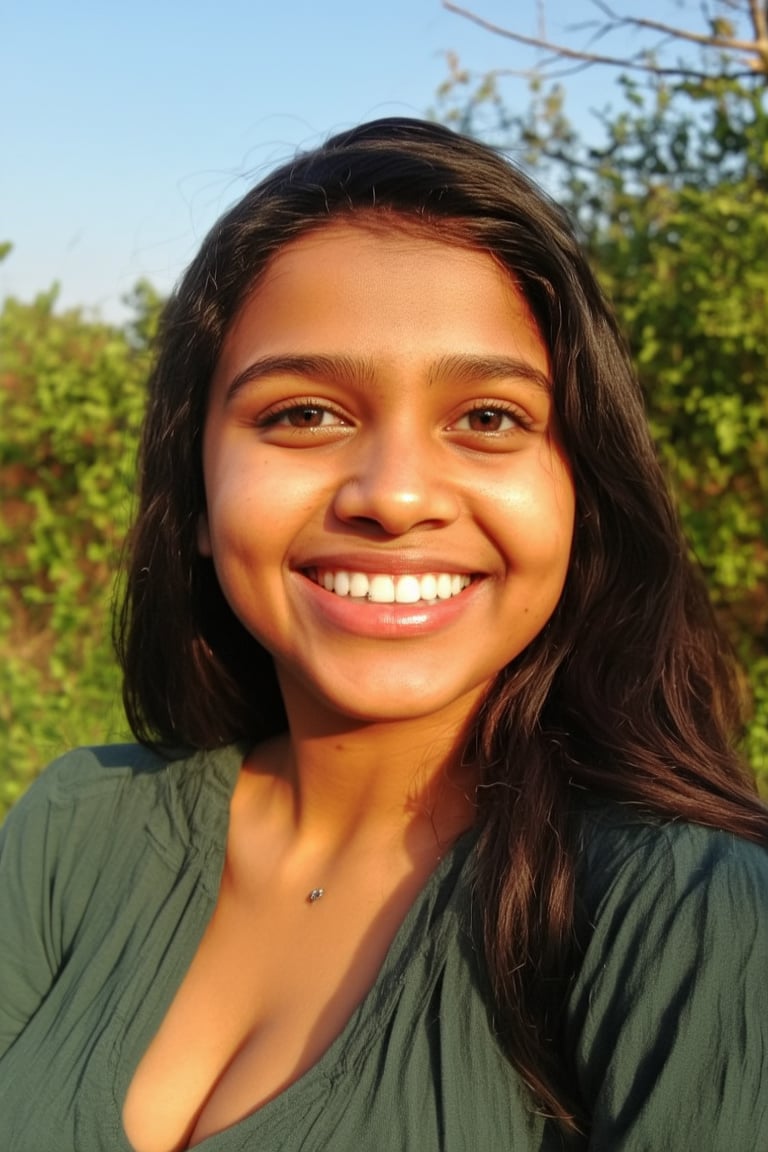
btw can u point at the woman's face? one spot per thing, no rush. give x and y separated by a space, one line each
388 509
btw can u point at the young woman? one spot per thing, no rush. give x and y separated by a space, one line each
433 838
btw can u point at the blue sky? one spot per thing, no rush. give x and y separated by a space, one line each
128 128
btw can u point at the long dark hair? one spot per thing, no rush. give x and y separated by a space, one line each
628 691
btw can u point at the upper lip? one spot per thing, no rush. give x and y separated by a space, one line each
416 564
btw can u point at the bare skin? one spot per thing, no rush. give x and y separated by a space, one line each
400 427
275 979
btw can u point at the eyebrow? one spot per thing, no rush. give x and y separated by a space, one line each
467 368
344 369
460 368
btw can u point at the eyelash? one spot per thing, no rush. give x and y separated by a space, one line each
276 415
519 418
512 412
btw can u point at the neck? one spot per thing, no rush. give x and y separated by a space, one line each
338 780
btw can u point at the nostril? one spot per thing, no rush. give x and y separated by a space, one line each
396 505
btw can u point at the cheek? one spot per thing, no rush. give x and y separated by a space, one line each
537 511
257 511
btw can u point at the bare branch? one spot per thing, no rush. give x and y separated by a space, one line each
758 12
561 51
579 66
751 47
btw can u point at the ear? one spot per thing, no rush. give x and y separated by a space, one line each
203 535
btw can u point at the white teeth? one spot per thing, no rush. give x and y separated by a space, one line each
358 585
408 590
341 584
381 588
429 586
444 586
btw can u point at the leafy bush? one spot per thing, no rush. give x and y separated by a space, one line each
71 400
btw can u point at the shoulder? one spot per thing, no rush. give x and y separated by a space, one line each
88 780
661 903
86 771
626 859
95 814
79 784
671 990
96 794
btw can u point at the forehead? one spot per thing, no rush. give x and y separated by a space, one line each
382 229
370 277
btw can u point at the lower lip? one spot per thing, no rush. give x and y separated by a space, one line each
386 621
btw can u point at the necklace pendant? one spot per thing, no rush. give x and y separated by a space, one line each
315 895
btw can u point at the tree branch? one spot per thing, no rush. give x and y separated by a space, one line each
757 48
758 12
751 47
561 51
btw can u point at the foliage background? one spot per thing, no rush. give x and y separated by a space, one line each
673 205
71 399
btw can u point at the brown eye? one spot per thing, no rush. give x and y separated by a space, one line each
305 417
488 420
302 417
485 420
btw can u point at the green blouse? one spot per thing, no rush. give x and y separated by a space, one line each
109 870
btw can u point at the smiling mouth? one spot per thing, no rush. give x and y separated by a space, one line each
384 588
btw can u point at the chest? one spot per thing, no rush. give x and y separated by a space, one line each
416 1063
274 981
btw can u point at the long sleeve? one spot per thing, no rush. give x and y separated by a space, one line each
30 944
52 848
669 1015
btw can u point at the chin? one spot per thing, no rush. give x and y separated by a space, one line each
405 701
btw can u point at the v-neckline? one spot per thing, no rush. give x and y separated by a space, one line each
207 842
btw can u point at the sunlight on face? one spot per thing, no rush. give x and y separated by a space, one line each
388 510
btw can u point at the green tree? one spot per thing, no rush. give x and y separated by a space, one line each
71 399
672 202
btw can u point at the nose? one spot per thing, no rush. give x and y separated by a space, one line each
397 483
